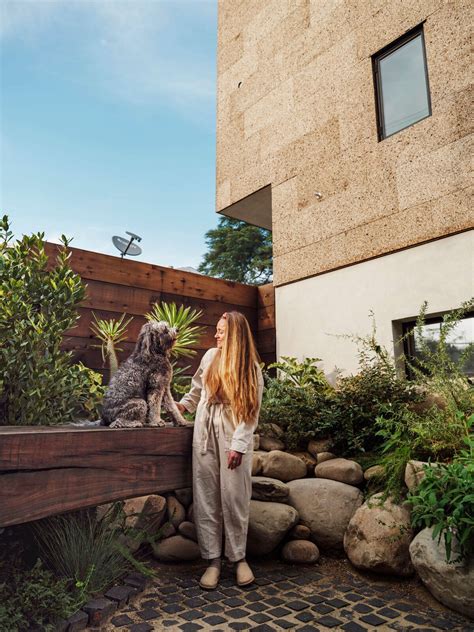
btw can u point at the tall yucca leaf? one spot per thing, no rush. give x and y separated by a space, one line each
110 333
182 318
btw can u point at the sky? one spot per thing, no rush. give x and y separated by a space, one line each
107 123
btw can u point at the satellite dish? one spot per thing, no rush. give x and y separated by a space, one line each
126 246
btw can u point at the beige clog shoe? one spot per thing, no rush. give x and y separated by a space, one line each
244 573
210 578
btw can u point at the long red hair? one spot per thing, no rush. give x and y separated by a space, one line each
233 373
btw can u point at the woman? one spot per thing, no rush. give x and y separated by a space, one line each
226 393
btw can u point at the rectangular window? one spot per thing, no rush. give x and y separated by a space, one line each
458 340
401 83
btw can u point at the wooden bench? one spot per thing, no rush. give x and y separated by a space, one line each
51 470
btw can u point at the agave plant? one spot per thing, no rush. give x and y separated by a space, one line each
182 318
111 333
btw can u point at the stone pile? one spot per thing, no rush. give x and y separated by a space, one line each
311 500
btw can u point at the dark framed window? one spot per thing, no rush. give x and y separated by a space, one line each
459 338
402 91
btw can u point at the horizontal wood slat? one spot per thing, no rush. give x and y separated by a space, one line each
46 471
136 274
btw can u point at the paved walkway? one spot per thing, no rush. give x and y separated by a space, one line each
328 596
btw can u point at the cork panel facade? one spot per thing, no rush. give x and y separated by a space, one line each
296 113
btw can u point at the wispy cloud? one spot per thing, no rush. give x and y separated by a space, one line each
139 51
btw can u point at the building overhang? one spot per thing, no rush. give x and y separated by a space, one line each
255 209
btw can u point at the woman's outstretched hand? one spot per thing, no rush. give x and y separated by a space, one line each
234 459
181 407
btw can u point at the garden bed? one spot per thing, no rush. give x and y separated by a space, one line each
46 471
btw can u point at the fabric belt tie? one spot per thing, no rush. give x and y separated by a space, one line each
212 411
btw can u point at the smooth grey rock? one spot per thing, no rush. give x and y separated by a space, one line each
285 467
300 552
342 470
176 549
324 456
268 524
376 471
269 489
175 510
452 584
300 532
316 446
185 496
414 473
271 443
188 529
378 536
326 507
257 464
190 513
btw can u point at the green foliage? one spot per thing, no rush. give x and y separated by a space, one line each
304 373
238 251
182 318
444 499
38 304
34 598
299 411
111 333
84 549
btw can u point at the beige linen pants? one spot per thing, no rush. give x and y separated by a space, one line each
221 498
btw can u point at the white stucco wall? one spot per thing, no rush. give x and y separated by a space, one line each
393 287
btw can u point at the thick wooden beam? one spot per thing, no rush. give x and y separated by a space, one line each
46 471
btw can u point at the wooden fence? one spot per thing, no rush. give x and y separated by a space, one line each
116 285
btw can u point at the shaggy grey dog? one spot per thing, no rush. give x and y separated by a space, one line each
142 383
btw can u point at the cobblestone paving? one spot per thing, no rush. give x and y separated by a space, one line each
328 596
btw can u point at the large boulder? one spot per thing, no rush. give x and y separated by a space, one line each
375 472
270 443
326 507
270 489
415 473
274 430
268 524
378 536
176 549
285 467
257 464
342 470
300 552
450 583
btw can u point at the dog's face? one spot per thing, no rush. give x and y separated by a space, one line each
156 338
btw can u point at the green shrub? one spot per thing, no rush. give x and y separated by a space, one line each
34 598
298 410
38 304
304 373
86 550
444 499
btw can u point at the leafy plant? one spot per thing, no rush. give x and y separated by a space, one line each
444 499
304 373
182 318
34 599
111 333
299 411
84 549
38 304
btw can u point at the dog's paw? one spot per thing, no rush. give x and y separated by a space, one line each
157 423
184 423
126 423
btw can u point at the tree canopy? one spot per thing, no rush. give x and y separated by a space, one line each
238 251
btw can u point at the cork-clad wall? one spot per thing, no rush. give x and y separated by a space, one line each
296 111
